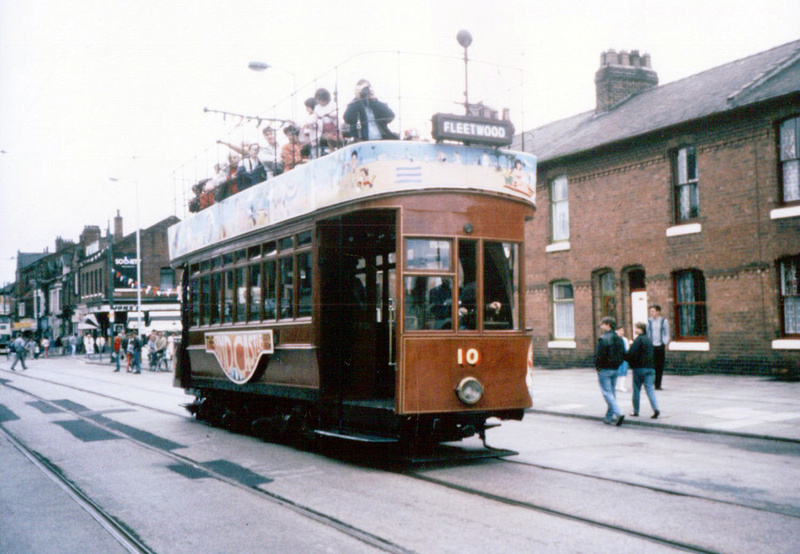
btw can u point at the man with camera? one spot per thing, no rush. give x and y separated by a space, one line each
367 116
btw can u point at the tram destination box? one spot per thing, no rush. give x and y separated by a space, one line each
472 130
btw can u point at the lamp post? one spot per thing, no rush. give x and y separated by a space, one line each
263 66
138 260
465 39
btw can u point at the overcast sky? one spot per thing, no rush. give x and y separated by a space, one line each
92 89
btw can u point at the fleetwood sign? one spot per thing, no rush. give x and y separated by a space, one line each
472 130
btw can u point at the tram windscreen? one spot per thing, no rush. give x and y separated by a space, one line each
429 302
500 285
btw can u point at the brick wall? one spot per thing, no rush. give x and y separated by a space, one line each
620 206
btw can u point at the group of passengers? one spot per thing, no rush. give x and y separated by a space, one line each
366 118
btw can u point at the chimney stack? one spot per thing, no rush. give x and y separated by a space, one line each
117 226
621 75
90 234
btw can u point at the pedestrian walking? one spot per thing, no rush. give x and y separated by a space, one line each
622 371
640 358
117 349
137 353
608 357
658 332
128 346
46 347
20 349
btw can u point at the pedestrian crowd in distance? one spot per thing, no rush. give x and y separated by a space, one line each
158 346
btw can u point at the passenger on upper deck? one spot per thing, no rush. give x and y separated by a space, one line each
326 113
367 116
308 131
268 154
291 153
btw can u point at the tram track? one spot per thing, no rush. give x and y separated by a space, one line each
196 466
652 488
539 508
126 538
389 546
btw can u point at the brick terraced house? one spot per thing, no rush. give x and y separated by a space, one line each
685 195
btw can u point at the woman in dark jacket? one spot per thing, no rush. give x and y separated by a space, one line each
640 359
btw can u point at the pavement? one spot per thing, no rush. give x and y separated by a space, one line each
740 405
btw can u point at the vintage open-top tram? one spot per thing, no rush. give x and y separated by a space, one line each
373 294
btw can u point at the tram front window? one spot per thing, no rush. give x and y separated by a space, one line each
429 302
500 285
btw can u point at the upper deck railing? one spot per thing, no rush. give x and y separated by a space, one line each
352 173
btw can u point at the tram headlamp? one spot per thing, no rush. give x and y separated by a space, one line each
469 390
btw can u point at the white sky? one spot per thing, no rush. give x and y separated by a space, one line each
86 86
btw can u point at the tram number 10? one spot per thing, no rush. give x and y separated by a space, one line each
471 356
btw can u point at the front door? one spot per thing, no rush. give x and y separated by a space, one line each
357 289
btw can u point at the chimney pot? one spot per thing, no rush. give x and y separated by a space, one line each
621 76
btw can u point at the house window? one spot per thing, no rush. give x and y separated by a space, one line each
167 278
790 295
687 200
790 159
563 311
608 297
690 305
560 207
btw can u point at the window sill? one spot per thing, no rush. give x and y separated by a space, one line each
562 344
783 213
786 344
557 246
689 346
687 229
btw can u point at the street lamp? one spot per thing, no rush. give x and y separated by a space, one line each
465 39
138 260
263 66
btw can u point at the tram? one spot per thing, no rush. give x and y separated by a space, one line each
374 294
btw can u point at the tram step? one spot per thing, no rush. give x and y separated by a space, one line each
355 436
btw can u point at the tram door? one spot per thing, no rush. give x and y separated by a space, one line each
357 263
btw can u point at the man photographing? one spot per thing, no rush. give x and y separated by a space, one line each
367 116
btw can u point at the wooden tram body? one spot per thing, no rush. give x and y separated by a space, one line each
374 294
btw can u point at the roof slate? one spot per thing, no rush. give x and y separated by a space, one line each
760 77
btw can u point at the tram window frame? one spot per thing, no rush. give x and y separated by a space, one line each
195 301
254 291
427 280
269 283
416 316
285 244
241 276
286 287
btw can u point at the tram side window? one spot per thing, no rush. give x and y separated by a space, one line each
500 285
228 299
304 284
241 293
269 289
195 301
255 292
287 287
205 298
216 297
467 285
428 302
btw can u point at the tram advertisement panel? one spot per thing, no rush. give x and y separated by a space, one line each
354 172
